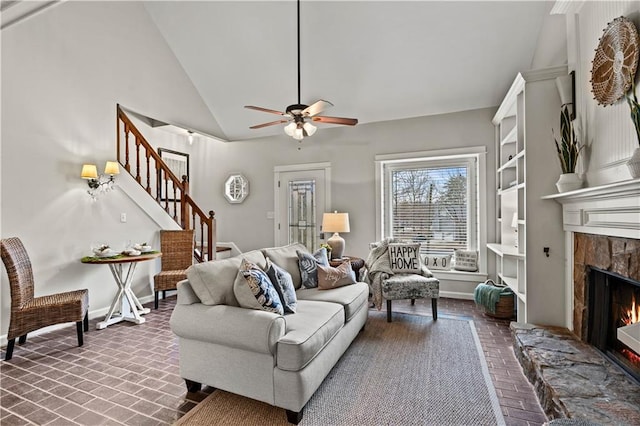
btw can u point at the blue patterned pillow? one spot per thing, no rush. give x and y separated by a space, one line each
308 265
283 284
254 290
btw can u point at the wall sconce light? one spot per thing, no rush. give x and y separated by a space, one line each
567 89
99 183
190 137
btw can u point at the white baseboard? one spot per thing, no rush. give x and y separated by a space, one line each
456 295
92 314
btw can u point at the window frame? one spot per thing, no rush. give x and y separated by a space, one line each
385 163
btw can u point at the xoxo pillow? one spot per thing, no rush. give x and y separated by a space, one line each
441 262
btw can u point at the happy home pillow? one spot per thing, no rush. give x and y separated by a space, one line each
404 258
254 290
441 262
339 276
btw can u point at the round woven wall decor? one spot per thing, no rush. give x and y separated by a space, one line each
615 61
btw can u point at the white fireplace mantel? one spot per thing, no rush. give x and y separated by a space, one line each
612 209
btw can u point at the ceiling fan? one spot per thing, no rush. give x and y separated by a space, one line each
299 116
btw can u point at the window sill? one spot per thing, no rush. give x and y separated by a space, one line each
460 275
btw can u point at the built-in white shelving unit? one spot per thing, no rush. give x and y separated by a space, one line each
529 248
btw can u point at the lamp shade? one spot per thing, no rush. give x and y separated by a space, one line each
89 171
111 168
335 222
565 91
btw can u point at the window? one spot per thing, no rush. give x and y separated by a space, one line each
433 198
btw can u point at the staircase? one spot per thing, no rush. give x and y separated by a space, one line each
142 162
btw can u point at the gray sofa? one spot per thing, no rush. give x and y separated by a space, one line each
277 359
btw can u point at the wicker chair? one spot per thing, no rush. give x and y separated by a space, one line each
29 313
177 256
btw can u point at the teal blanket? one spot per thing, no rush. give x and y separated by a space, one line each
488 295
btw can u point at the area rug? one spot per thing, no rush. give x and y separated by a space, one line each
413 371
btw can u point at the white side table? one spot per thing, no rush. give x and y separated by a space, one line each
125 305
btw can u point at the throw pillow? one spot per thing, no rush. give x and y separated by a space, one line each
404 258
308 265
283 284
465 260
254 290
339 276
438 262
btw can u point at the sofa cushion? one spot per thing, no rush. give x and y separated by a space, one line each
254 290
213 281
286 257
307 333
410 286
341 275
351 297
283 283
308 264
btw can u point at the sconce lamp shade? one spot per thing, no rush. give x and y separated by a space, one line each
89 171
563 85
335 222
111 168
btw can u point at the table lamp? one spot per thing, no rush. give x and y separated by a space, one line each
335 222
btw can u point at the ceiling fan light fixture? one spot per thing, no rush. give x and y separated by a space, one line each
298 134
290 128
309 128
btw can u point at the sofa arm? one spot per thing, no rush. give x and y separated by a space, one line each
248 329
186 295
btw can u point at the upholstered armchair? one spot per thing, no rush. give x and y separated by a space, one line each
396 272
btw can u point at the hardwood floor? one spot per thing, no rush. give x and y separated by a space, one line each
128 374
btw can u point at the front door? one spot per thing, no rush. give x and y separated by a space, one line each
301 199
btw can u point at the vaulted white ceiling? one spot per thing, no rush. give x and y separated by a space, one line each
374 60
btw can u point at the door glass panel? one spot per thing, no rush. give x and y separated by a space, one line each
302 213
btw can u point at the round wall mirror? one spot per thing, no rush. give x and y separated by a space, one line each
236 188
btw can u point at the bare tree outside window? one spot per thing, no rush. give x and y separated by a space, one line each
429 205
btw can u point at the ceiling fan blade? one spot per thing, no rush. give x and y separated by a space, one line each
336 120
316 108
272 111
271 123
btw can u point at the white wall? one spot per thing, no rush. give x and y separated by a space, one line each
607 132
351 152
63 72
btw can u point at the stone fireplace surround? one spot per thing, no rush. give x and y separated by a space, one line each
571 378
614 254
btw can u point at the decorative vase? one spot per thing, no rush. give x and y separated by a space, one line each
569 182
633 164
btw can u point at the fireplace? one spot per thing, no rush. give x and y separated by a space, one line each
614 318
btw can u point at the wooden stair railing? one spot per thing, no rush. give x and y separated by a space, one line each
171 193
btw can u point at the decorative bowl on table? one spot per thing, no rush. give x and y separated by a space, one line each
143 248
131 252
104 252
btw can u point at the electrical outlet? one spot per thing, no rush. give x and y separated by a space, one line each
123 217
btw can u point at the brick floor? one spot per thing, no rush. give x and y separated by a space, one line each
128 374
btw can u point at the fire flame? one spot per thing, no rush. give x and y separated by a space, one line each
632 316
